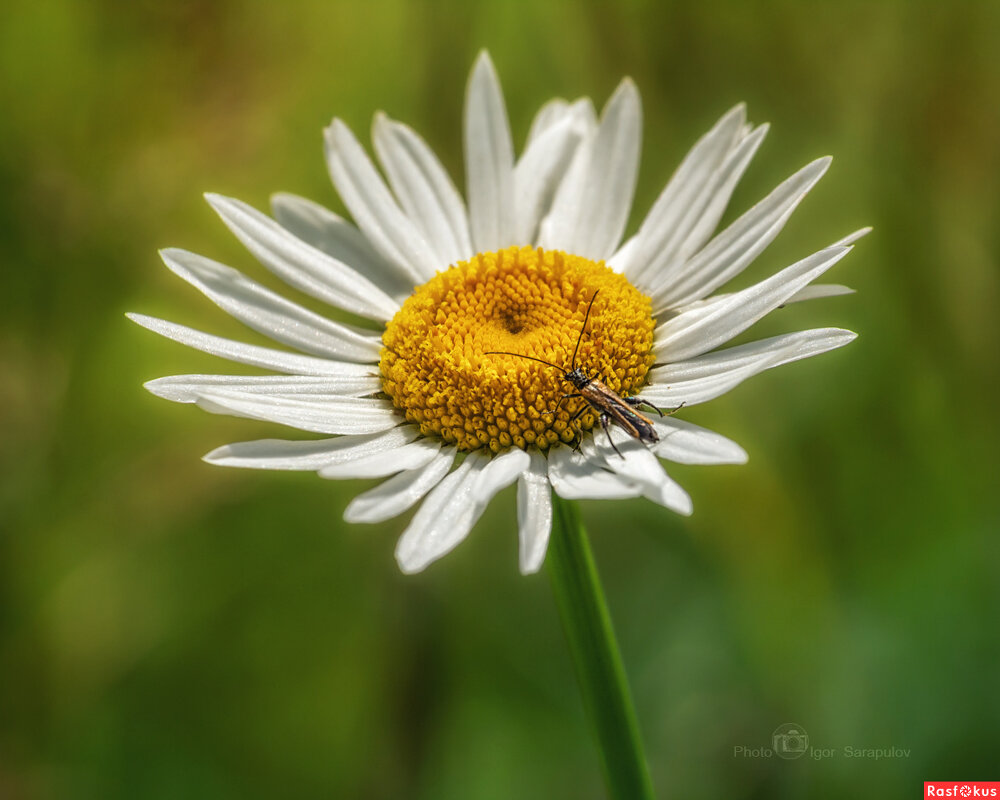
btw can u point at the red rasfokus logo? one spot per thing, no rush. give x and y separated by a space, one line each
961 789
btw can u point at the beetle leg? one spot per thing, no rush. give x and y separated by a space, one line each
561 399
578 439
604 424
636 402
567 397
673 411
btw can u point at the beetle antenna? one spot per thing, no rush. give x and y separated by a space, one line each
521 355
584 328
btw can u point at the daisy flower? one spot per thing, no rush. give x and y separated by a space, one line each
439 392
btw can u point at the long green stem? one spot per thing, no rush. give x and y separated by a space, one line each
595 654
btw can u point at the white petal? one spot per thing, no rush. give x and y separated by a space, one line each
548 115
583 109
380 465
592 205
330 415
713 374
557 230
335 236
685 443
811 292
442 520
703 389
186 388
261 309
623 255
694 332
539 171
534 513
851 238
720 191
424 190
576 477
489 160
301 265
241 352
394 496
674 217
635 463
449 513
500 472
371 204
557 112
819 290
729 253
312 454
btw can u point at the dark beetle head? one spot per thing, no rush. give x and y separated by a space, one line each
577 377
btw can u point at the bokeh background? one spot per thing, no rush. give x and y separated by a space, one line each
174 630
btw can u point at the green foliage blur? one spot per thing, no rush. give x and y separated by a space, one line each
174 630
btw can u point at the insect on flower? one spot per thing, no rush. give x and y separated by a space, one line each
611 408
446 278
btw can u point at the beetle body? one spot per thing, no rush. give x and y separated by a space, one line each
612 408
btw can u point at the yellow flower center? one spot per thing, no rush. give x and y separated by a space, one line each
436 365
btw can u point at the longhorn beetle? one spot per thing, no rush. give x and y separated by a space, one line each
622 411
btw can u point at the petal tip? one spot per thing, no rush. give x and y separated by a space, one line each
218 455
170 256
684 506
281 199
483 59
334 133
860 233
408 565
531 568
483 70
737 114
626 91
162 389
216 200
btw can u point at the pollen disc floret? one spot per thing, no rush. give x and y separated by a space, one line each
437 366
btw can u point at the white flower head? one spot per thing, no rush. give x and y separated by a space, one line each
449 399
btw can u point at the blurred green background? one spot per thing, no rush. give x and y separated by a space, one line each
174 630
